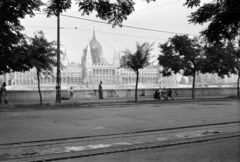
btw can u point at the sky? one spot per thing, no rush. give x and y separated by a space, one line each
162 15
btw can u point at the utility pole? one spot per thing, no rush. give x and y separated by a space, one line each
58 87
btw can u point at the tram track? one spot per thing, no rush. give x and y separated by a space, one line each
31 148
105 136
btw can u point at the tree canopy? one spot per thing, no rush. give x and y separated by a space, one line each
223 59
181 53
137 60
42 55
12 52
223 17
232 62
115 12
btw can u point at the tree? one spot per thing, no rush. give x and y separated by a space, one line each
232 61
181 53
112 11
12 52
223 17
137 60
42 56
236 70
223 59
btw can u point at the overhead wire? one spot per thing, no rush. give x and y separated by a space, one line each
158 6
132 27
76 28
127 26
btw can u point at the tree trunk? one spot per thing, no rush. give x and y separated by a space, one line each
136 88
39 91
238 93
193 86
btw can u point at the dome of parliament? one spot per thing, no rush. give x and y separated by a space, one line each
96 50
94 44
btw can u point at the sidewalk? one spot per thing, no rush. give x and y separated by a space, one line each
31 103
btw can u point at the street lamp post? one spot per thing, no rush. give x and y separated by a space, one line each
58 87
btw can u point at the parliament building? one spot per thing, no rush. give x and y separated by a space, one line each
92 69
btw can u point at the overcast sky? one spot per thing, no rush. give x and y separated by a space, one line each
162 15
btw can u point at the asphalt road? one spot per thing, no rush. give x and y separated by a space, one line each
64 123
227 150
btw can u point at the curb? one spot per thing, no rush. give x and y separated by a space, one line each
94 104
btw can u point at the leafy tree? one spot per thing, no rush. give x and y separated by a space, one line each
12 52
42 56
232 61
223 60
112 11
236 70
223 17
137 60
181 53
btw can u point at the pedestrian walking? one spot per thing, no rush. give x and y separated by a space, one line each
3 94
71 93
100 91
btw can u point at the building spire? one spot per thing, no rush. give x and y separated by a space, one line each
116 45
94 37
88 55
116 58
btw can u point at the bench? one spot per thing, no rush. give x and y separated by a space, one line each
165 95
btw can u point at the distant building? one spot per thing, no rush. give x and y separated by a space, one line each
182 81
93 69
213 79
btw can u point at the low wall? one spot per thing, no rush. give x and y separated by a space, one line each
114 93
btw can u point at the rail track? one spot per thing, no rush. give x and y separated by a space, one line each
78 147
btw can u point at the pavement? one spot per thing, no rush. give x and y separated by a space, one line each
40 125
91 101
29 122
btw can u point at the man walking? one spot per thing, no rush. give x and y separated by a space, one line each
71 93
100 91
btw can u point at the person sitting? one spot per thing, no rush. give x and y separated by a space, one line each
170 93
156 94
160 93
165 94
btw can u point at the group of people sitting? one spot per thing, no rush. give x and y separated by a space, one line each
165 93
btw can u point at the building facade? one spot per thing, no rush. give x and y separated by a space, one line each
93 69
214 79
